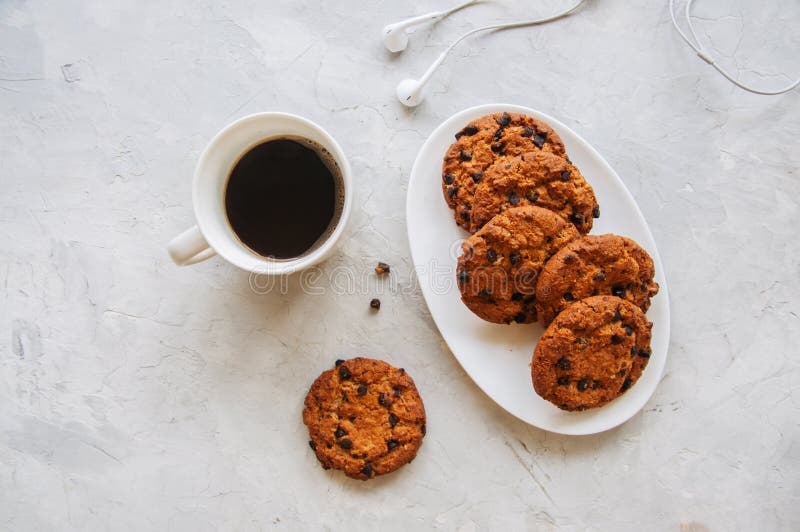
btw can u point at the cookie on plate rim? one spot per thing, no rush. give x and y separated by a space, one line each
593 352
593 265
482 142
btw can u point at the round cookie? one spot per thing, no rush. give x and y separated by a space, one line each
595 265
534 178
365 417
591 353
499 265
483 141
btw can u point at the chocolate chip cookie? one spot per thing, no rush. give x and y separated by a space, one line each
365 417
594 351
499 265
534 178
595 265
484 141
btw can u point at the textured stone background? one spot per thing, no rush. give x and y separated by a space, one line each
138 395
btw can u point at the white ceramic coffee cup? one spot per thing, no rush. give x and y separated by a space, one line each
213 233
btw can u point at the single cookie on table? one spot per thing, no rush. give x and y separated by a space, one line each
534 178
365 417
593 352
499 265
482 142
595 265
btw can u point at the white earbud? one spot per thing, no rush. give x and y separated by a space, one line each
410 91
395 36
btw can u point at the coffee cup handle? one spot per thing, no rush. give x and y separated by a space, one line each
189 248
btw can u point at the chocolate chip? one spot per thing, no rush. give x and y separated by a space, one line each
622 372
616 339
423 430
563 381
625 384
617 315
345 398
340 432
452 191
599 276
516 296
497 147
513 198
504 120
463 276
465 155
382 400
563 364
539 139
618 290
595 385
396 391
362 391
448 179
520 317
485 293
375 303
515 257
628 330
468 131
583 384
527 131
491 255
498 134
644 353
532 197
393 419
391 444
576 218
346 444
382 268
568 296
352 419
596 211
344 373
465 216
366 470
339 362
477 176
565 175
634 351
312 445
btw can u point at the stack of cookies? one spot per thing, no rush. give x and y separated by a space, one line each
530 258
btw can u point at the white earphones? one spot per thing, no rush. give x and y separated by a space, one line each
700 51
395 36
410 91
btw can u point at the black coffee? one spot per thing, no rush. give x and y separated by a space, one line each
282 197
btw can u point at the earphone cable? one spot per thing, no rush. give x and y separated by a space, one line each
505 26
700 51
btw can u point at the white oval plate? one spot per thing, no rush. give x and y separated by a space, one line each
498 357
